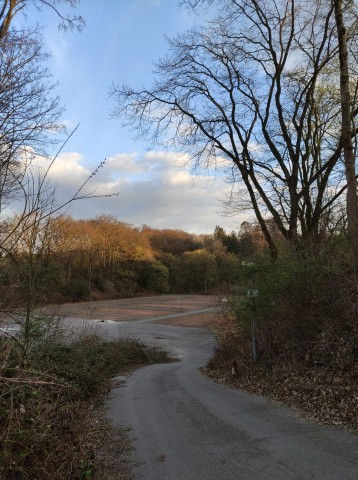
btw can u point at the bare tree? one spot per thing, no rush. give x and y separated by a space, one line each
29 111
10 8
347 126
27 241
29 124
255 87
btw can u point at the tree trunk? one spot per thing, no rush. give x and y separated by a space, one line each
6 16
349 160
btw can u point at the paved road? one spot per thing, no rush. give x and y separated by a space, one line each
185 427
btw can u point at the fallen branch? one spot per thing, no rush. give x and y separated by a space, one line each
33 382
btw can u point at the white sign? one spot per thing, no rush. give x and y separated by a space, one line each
252 293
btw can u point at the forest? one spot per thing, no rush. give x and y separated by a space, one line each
63 259
269 90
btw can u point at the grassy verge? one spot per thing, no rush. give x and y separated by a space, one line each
48 400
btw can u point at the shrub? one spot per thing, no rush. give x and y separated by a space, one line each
46 405
301 295
158 278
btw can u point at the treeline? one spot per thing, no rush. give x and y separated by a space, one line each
65 258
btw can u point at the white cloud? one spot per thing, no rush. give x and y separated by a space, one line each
152 190
124 163
181 178
67 169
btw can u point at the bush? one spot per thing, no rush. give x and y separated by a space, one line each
78 289
300 295
105 286
158 278
46 405
307 333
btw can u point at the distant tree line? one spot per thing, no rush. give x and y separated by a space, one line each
65 258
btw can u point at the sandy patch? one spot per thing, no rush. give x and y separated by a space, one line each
132 309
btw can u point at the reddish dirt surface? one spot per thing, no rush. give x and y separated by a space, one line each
132 309
201 320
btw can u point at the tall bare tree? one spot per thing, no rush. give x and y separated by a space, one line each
29 111
255 88
29 124
347 125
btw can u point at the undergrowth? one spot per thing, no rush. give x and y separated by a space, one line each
306 334
48 398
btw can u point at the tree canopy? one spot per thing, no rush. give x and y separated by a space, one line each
256 87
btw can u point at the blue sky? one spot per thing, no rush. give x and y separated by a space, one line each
119 44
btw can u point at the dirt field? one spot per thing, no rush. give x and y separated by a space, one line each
133 309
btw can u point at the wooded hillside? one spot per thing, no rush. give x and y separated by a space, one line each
63 259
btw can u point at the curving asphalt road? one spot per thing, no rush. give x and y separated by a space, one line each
185 427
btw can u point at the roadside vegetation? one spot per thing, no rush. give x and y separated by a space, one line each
50 423
305 321
231 97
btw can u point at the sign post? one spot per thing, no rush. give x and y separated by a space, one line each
253 293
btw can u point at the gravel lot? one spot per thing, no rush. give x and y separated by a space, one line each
134 309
